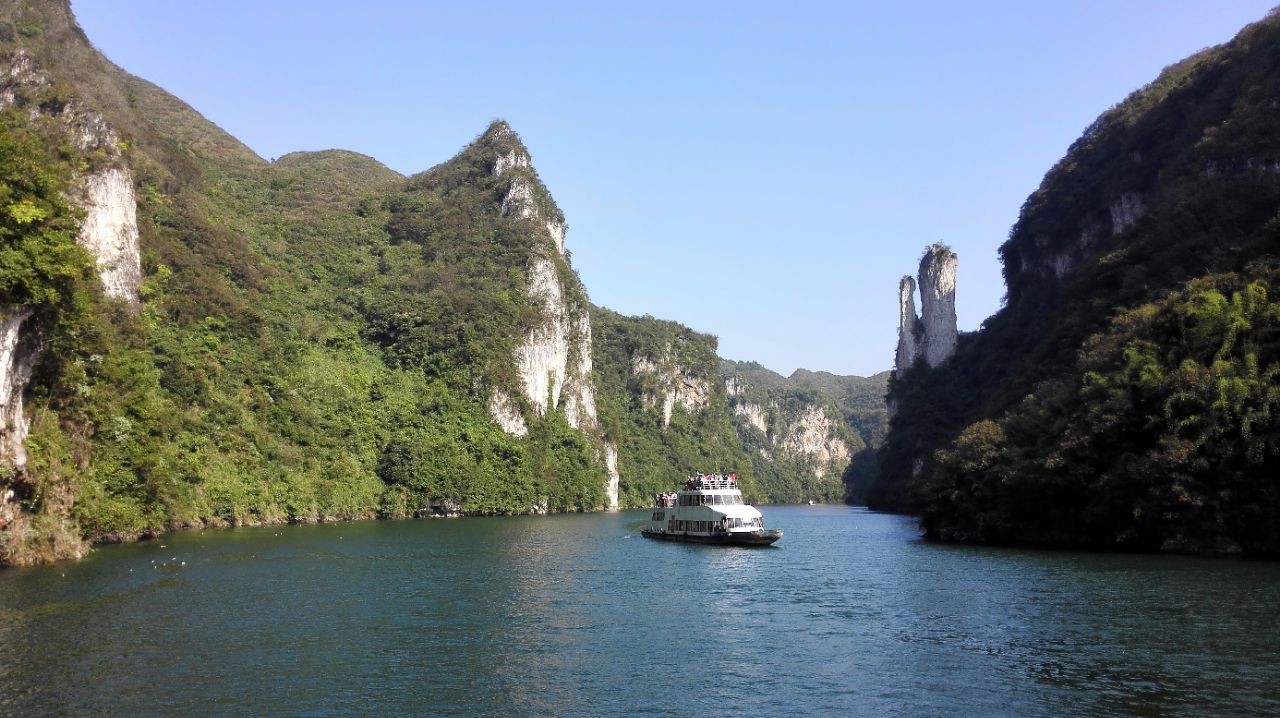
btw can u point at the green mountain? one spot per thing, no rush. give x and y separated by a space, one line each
805 433
193 336
1126 396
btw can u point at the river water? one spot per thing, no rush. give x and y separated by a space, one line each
850 614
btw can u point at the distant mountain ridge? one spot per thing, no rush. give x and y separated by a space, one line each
805 431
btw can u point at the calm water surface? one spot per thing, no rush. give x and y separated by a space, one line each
850 614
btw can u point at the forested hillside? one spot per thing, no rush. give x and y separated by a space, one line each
193 336
805 433
1126 395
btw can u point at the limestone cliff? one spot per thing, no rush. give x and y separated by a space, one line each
668 385
801 443
932 335
104 190
553 360
18 351
909 328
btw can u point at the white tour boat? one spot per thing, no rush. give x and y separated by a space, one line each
709 510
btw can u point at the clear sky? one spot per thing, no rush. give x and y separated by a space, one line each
764 172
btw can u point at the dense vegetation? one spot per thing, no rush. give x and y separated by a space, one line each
318 336
652 457
315 337
854 405
1165 434
1120 398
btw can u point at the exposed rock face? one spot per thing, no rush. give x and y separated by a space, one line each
908 326
580 394
553 360
555 228
938 303
18 71
18 353
793 427
754 415
1126 211
933 335
514 158
676 386
506 411
519 201
611 468
811 434
110 232
542 359
110 229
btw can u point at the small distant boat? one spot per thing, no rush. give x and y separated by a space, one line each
812 502
709 509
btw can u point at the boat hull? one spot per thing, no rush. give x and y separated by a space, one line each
763 537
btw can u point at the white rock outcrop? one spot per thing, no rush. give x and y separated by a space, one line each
110 229
611 469
519 201
506 411
556 230
580 394
676 385
908 326
811 434
754 415
932 335
110 232
803 431
1126 211
18 353
513 158
938 303
542 359
553 360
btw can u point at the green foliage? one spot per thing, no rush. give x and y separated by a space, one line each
1166 435
1196 147
854 404
653 458
40 264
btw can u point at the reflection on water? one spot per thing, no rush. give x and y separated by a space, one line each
849 614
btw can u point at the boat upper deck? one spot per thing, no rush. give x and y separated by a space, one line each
711 482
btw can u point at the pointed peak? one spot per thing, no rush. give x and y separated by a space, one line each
498 129
500 136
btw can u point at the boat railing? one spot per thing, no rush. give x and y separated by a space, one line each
714 481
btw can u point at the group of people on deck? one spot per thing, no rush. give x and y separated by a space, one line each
694 481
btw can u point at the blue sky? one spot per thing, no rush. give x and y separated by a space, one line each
764 172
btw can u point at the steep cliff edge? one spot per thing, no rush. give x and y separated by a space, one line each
932 334
554 359
1093 409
